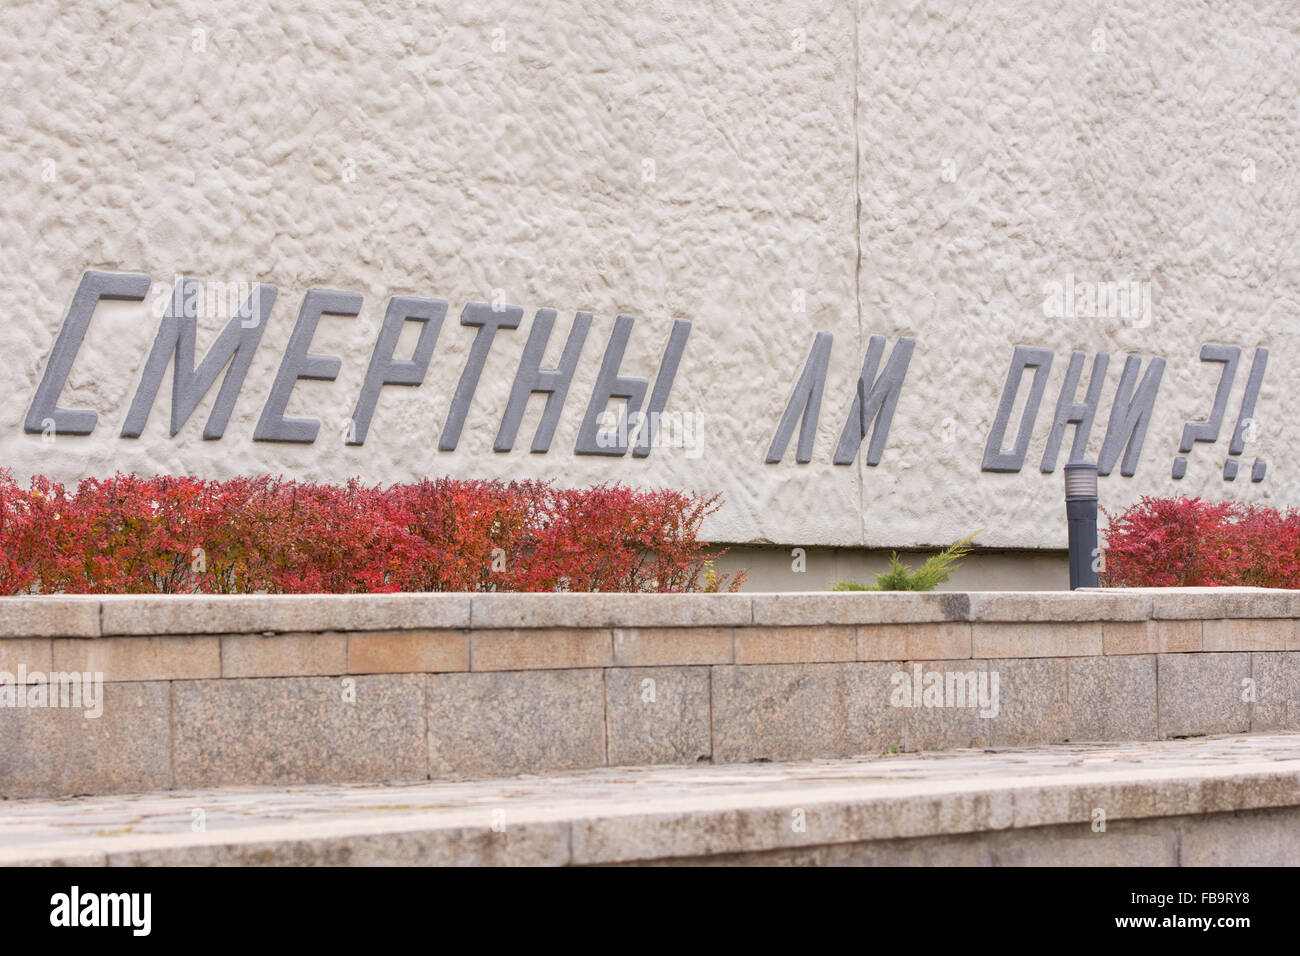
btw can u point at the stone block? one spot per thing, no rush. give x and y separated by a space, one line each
1042 606
781 645
1247 634
1049 639
526 610
1257 838
540 649
298 730
797 711
1124 843
541 843
140 658
62 615
664 646
938 719
407 652
657 715
1276 677
1150 637
53 751
859 607
914 642
1202 694
1210 603
1112 698
495 724
281 613
282 655
1032 705
33 653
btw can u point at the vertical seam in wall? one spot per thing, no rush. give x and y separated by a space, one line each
710 669
424 707
604 697
1157 696
1069 693
857 240
1254 688
171 735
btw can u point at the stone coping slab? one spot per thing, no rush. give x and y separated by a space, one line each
137 615
630 814
53 616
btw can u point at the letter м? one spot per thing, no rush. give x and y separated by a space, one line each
235 347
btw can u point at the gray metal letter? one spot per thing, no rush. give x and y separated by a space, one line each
488 320
663 385
93 287
1257 366
176 340
531 377
878 403
610 385
1078 414
1208 430
807 395
1130 414
995 459
386 370
299 363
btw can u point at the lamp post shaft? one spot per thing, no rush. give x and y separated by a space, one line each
1081 516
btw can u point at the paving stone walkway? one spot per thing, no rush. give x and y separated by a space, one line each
97 829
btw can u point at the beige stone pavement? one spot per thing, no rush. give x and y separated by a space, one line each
630 813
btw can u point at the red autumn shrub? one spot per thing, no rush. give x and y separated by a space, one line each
1188 542
128 534
20 534
476 535
639 541
1266 547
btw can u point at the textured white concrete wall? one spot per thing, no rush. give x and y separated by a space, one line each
906 169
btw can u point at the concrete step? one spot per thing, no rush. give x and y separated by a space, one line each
1203 801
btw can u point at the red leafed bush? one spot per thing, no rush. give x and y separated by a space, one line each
128 534
1187 542
21 538
611 538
